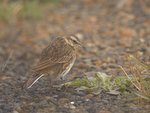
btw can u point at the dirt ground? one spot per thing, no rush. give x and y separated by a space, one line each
109 29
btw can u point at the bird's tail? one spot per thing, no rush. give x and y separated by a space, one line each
27 84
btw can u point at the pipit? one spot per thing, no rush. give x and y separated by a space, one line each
56 60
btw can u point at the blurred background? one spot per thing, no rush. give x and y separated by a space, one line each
31 24
106 28
109 30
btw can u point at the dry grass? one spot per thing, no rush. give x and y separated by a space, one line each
138 69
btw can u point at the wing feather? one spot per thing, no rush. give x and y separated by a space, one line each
50 62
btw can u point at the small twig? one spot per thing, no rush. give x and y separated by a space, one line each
53 102
7 61
5 64
12 68
129 78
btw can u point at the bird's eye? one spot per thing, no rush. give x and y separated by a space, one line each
75 41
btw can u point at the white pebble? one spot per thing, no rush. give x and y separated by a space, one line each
72 107
72 102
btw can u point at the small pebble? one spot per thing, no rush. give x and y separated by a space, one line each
96 106
87 60
105 101
113 66
81 93
114 98
17 100
87 99
79 101
71 102
55 96
6 107
72 107
89 104
4 84
104 66
1 100
15 111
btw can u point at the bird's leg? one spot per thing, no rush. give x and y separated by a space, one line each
52 90
64 83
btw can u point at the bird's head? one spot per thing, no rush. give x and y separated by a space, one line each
72 40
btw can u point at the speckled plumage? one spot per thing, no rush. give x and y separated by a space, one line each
56 59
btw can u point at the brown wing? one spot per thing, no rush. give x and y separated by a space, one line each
54 54
50 62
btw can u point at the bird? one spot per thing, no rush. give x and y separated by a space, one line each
56 60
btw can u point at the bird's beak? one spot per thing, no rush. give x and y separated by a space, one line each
82 46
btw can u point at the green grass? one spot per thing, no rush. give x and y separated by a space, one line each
25 9
101 81
7 10
31 9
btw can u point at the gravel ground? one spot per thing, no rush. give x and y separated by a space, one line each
108 29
